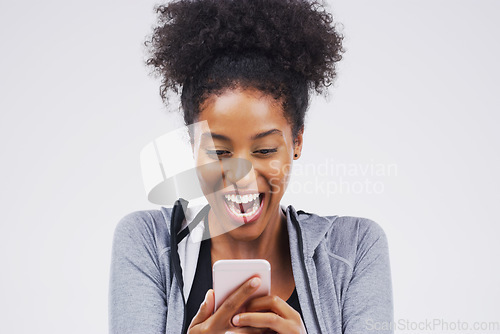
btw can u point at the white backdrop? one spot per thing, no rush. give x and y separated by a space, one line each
406 138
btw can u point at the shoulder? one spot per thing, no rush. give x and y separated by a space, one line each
144 226
352 238
358 229
348 238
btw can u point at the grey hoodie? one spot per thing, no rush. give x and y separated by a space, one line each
340 267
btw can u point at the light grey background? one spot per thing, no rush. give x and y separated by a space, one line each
417 90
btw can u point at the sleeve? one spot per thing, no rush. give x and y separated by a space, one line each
137 297
368 302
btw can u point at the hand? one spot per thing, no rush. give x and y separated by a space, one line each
220 322
282 319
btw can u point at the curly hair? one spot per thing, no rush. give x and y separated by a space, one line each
284 48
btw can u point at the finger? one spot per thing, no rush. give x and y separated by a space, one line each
271 303
263 320
236 299
206 309
248 330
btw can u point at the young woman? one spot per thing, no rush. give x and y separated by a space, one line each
245 69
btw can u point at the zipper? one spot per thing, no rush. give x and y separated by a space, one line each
175 255
175 260
183 300
301 246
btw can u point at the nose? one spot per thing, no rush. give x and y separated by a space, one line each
239 171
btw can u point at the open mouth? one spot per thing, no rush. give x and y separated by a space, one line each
244 207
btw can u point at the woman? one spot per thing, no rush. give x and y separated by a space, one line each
245 69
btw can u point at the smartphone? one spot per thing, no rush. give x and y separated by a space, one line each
228 275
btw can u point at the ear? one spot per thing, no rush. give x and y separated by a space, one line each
298 144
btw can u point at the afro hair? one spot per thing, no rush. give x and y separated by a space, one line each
285 48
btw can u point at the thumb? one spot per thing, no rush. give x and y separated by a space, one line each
210 301
206 309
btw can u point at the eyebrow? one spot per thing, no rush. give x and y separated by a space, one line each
254 137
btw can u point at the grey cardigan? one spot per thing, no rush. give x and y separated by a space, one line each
340 266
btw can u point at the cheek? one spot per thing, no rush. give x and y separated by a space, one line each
277 172
209 175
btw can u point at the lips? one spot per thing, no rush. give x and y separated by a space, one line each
244 207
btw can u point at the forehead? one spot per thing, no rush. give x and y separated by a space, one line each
243 112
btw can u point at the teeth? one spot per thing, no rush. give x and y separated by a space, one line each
237 212
234 202
242 199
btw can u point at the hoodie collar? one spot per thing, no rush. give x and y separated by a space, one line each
312 227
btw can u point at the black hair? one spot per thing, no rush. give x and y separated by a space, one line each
284 48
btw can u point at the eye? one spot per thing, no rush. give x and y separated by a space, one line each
216 154
267 151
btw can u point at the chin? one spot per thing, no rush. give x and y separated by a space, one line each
249 232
